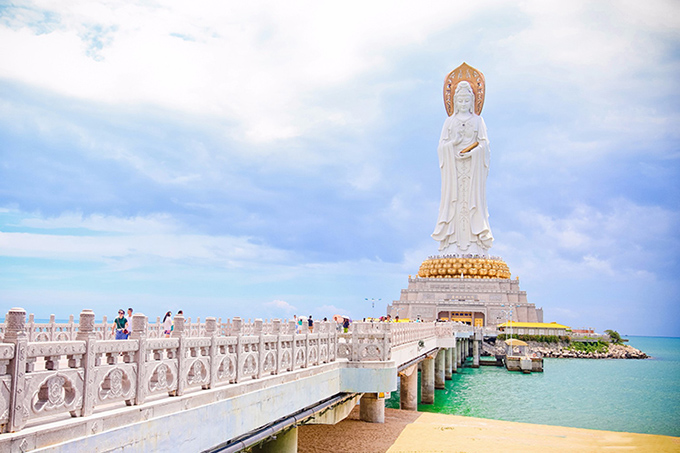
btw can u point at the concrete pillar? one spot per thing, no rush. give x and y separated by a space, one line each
427 382
285 442
475 353
408 389
448 366
439 370
372 408
454 358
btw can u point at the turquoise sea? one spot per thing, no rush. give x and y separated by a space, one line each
639 396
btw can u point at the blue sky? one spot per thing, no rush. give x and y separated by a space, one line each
267 159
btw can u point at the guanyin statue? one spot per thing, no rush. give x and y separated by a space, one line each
463 223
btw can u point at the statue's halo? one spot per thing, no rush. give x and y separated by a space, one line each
469 74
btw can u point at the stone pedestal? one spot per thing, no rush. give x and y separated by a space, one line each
372 408
408 389
427 382
472 300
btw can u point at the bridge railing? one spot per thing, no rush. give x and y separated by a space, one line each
80 370
53 330
42 379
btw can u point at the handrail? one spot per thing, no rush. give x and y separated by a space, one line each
80 369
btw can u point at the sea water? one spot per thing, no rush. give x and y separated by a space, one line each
639 396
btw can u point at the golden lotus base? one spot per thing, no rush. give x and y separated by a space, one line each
482 268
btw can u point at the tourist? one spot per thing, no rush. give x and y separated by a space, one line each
298 329
120 325
345 325
310 324
167 324
129 317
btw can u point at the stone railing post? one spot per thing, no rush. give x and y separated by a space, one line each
387 342
140 333
292 327
87 334
51 329
72 328
31 327
104 327
237 329
15 333
182 362
276 330
354 342
211 331
257 330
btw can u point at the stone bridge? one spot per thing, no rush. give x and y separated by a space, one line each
212 386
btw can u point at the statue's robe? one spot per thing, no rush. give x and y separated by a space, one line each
463 222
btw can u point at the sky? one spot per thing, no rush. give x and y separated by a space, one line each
265 159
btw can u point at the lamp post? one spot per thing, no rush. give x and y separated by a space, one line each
508 319
372 304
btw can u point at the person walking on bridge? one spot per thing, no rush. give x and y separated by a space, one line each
120 326
310 324
167 324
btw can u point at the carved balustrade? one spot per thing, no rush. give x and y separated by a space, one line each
83 370
74 368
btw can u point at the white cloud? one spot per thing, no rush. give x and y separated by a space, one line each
622 239
281 305
156 223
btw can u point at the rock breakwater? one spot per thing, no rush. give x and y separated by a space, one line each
564 350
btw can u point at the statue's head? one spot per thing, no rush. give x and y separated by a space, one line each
463 98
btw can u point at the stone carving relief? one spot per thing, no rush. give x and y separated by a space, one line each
299 357
227 369
116 384
269 363
55 392
161 378
286 360
250 366
198 373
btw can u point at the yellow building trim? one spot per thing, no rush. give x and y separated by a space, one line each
534 325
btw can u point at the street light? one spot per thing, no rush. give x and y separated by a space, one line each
372 304
508 313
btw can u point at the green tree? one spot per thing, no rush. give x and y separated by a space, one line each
614 335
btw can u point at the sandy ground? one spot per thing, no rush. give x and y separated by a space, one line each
405 431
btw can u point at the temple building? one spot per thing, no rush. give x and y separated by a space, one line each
475 291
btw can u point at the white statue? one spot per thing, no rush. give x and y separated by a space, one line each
463 223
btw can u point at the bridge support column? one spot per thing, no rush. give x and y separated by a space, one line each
285 442
477 348
427 382
448 368
454 358
439 370
408 389
475 354
372 408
